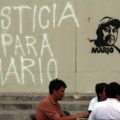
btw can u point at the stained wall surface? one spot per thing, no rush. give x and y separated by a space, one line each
45 39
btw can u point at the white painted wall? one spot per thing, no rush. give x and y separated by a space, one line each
41 40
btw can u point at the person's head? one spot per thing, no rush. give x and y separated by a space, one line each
57 88
100 91
107 32
113 90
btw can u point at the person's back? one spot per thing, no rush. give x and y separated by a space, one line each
110 108
106 110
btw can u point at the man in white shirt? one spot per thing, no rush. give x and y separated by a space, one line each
101 96
110 108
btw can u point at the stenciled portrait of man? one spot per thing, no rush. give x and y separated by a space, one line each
107 33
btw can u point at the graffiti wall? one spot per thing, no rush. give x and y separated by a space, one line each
74 40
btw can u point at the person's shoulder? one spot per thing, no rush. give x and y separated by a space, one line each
100 104
45 100
94 99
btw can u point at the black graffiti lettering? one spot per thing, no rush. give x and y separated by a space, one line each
95 50
111 50
106 50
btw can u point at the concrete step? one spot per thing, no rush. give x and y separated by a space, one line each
18 105
38 97
26 105
21 115
16 114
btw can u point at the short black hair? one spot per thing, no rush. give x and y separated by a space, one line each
56 84
112 90
99 89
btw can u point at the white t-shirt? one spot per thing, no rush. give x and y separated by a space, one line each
93 101
106 110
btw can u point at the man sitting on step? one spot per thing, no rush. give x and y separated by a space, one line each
49 108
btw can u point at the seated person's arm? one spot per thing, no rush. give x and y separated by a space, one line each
74 117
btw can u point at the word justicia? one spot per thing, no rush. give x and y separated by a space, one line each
42 17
